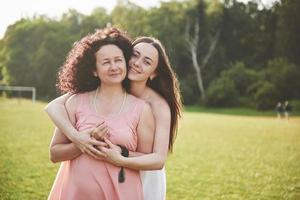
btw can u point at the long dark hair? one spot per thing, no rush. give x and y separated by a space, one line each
165 83
76 74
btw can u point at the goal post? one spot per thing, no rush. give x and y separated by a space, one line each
20 88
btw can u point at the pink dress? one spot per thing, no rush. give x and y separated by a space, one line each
85 178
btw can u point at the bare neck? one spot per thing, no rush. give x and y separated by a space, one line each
138 89
110 91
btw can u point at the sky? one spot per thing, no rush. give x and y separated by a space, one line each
13 10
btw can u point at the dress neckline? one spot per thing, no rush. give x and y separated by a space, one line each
94 110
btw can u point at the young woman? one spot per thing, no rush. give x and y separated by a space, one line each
153 80
95 70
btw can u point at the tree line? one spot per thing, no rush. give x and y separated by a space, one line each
225 53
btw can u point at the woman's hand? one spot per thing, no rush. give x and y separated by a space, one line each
100 132
112 153
86 143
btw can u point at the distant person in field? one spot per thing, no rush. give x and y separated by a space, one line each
287 109
153 80
279 110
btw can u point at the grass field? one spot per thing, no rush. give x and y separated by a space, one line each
216 156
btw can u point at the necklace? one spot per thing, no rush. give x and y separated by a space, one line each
121 108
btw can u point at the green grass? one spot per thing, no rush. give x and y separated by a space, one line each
216 156
25 170
236 111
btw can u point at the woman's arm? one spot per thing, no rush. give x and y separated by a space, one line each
152 161
56 110
58 114
145 130
61 148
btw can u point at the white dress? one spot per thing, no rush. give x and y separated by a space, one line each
154 184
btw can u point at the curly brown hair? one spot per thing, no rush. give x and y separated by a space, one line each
76 74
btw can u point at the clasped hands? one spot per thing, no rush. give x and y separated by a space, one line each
95 142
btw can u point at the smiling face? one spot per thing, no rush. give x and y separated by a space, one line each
143 63
110 65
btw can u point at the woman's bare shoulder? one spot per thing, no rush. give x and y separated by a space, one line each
133 100
74 99
158 103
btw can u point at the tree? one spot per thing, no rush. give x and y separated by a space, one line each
129 17
200 36
242 77
193 43
248 33
222 93
266 95
233 87
284 76
98 19
288 32
2 58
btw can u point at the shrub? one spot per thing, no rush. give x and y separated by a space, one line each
266 95
222 92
